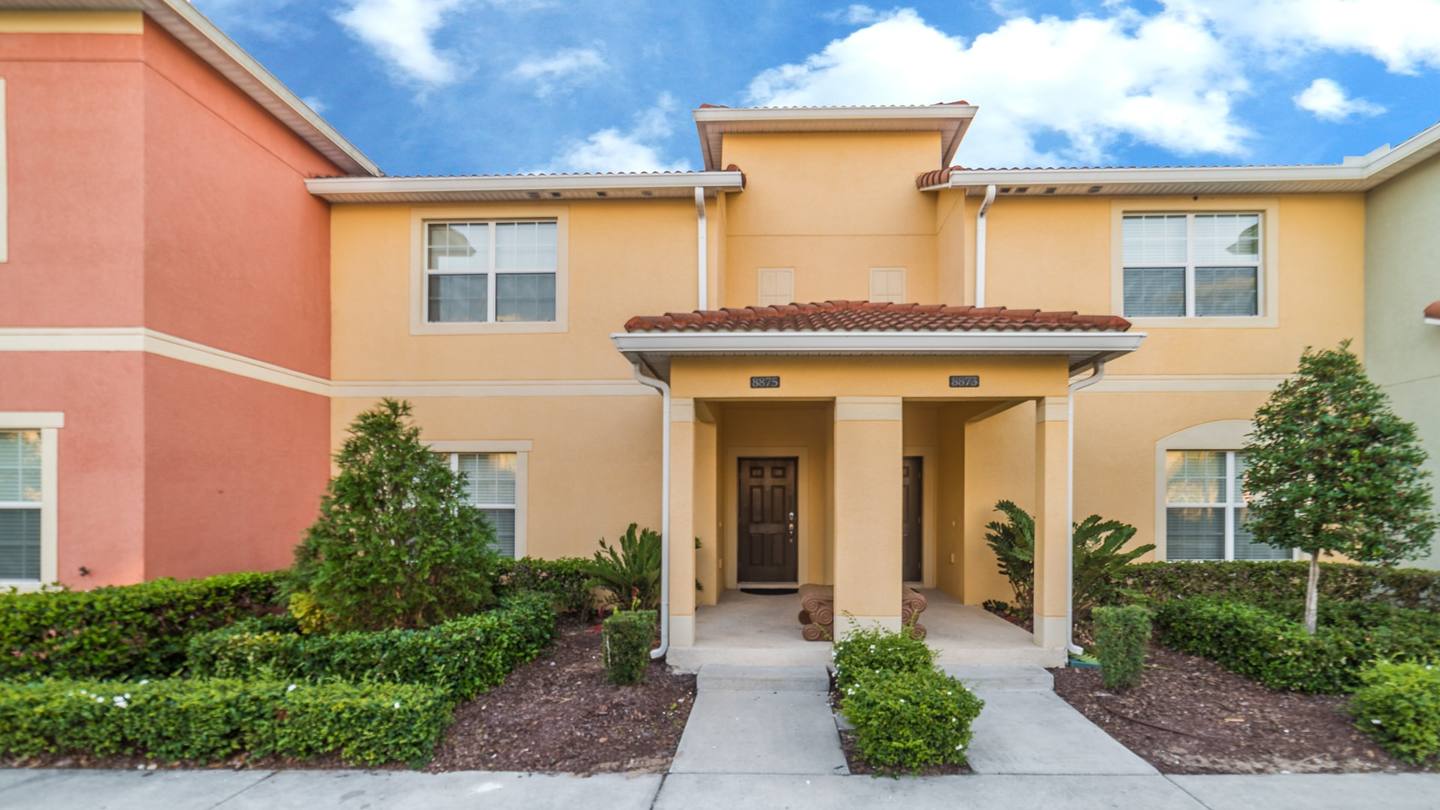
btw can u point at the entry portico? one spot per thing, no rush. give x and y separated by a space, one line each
845 444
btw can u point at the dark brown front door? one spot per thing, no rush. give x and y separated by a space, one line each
910 569
768 530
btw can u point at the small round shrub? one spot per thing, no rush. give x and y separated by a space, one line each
864 652
1399 704
627 637
1122 635
907 721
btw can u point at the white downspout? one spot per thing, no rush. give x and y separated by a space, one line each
659 385
1096 376
702 264
980 245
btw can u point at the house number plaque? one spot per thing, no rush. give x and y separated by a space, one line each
772 381
964 380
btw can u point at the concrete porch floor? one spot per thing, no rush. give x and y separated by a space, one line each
756 630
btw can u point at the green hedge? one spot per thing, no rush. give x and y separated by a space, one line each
211 720
628 636
462 656
1399 704
131 631
1122 637
563 579
1270 584
911 720
865 652
1274 649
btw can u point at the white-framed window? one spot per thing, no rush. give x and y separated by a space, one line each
495 482
490 271
21 505
775 286
1193 265
887 285
1205 508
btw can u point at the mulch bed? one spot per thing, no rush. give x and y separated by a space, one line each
558 713
1189 715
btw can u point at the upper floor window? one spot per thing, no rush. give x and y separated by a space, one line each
21 505
490 271
887 285
1205 508
1192 265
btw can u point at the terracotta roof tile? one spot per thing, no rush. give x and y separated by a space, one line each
864 316
1433 311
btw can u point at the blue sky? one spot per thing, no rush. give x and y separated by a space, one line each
491 86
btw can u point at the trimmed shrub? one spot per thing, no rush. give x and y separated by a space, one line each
461 657
1399 704
1269 584
129 631
1122 635
628 634
211 720
564 579
909 720
865 652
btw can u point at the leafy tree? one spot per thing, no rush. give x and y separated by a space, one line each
396 544
1333 470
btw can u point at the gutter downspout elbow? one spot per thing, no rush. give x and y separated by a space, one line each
980 244
664 389
1097 374
702 265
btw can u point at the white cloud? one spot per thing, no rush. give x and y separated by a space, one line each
1328 100
637 149
402 32
1049 90
1403 34
857 14
315 103
560 69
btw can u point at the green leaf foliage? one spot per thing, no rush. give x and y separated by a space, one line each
396 545
1332 469
907 721
631 569
1273 583
628 635
1399 705
130 631
1122 637
1014 545
461 657
564 579
1272 646
204 721
1099 559
864 652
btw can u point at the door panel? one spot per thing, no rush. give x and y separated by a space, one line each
911 569
768 529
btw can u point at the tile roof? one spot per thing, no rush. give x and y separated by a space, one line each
865 316
1433 311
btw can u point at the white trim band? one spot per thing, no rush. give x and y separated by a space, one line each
878 342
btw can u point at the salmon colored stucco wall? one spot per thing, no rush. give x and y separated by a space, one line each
101 465
237 251
234 470
74 140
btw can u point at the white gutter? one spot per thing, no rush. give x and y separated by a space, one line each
702 257
1073 343
1433 321
677 182
659 385
1096 376
980 245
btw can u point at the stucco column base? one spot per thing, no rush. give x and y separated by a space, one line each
682 630
1050 632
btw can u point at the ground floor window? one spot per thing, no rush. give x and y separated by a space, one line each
21 505
1205 508
490 485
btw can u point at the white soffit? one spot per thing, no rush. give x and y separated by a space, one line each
951 120
538 187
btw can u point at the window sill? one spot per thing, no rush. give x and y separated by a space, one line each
490 328
21 585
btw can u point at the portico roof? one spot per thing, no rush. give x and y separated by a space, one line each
866 328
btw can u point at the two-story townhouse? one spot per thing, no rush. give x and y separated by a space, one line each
595 350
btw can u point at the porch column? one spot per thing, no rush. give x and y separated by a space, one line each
1052 535
682 522
706 570
868 452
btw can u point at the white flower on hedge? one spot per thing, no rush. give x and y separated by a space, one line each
397 704
1375 720
121 701
144 681
290 688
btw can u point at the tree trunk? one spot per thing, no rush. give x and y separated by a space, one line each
1312 594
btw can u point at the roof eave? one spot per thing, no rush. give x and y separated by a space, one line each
402 189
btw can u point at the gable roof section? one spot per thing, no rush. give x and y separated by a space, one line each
866 316
1352 175
184 22
951 119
